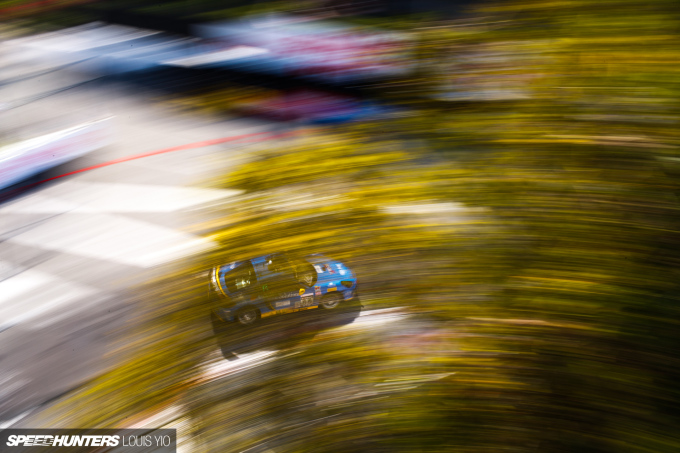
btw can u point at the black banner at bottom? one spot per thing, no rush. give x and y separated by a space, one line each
88 440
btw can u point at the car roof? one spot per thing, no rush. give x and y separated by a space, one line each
313 258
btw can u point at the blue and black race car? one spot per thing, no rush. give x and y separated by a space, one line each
245 291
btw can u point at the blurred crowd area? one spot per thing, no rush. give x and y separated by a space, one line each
508 197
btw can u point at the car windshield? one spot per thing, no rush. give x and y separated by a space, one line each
241 277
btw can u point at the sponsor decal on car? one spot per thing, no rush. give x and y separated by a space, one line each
317 290
283 303
318 269
305 301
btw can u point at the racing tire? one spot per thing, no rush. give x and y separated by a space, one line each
330 301
247 316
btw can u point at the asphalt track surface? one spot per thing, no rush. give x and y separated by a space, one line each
73 242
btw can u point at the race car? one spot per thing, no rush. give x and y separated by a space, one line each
245 291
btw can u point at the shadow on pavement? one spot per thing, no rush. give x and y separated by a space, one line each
280 332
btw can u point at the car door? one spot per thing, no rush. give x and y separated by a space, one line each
281 290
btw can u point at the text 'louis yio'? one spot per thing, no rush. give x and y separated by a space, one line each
159 440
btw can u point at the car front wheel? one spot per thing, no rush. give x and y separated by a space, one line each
330 301
247 316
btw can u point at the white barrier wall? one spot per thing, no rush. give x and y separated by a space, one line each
20 160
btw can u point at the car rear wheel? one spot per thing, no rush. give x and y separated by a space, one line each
247 316
330 301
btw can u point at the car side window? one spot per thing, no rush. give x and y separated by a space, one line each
304 271
241 277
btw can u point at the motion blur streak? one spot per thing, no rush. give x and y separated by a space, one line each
246 137
510 208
